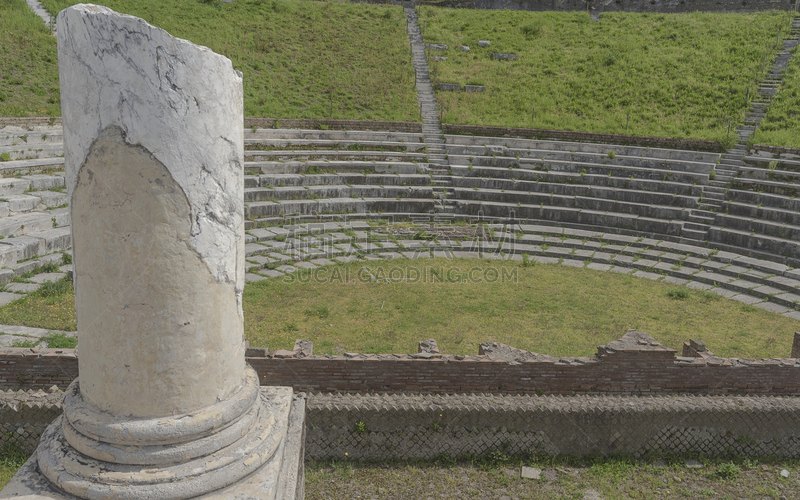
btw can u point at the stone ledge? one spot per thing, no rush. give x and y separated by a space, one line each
528 133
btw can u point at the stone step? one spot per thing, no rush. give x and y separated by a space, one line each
730 160
23 223
328 191
694 234
695 226
260 134
33 244
332 144
333 155
25 151
31 165
293 167
343 178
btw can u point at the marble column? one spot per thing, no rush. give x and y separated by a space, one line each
165 406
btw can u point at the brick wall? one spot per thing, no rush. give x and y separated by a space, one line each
37 368
634 365
565 135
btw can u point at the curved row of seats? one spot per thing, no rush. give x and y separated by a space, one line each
308 173
275 251
761 211
629 192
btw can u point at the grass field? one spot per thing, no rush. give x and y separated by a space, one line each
28 70
562 478
299 59
550 309
680 75
781 125
497 477
677 75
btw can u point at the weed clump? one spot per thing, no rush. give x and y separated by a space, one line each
678 294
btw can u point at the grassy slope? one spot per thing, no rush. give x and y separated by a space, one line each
296 56
680 75
28 72
550 309
781 126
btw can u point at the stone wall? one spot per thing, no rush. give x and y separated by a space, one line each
634 365
566 135
25 415
383 427
422 427
778 150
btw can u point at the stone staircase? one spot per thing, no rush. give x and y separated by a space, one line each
769 86
701 221
34 217
431 128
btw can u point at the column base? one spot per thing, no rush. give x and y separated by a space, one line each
280 478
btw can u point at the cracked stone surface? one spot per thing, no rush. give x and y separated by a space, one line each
179 101
153 153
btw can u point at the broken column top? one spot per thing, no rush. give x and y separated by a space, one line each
179 101
153 141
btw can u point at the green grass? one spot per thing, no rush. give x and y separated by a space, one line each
781 124
562 478
297 57
28 70
550 309
52 306
11 459
678 75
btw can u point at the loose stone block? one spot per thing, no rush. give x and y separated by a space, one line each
474 88
505 57
484 43
448 86
436 46
531 473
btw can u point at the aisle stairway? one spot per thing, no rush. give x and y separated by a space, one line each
431 128
731 163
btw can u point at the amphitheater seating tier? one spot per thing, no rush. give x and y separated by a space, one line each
646 211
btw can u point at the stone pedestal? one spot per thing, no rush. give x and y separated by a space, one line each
165 406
